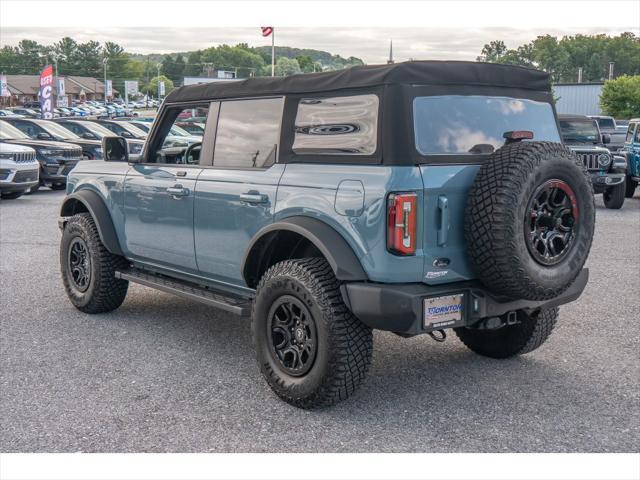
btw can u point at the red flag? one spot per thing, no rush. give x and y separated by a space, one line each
266 31
46 92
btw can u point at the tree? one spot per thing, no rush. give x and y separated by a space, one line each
174 68
492 51
287 66
620 97
152 87
306 63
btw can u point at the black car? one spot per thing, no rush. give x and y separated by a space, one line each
122 128
49 130
95 131
56 158
27 112
607 170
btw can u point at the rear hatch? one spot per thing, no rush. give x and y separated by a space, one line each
455 134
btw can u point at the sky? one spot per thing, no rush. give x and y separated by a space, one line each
369 44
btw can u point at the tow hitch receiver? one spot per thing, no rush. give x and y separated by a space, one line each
438 338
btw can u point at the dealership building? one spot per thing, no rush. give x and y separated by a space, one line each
24 88
578 98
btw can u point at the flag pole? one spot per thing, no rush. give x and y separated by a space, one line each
273 53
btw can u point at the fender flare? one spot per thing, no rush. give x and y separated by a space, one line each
97 208
343 261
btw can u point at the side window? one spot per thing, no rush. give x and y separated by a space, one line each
172 144
630 129
637 137
248 133
337 125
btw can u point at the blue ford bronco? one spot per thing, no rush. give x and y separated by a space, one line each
412 198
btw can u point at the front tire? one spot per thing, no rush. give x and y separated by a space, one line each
630 188
614 196
511 340
88 268
58 186
11 195
312 351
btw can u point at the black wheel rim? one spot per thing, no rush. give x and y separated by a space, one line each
79 264
292 334
550 228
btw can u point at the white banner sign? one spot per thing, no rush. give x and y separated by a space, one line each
131 87
4 88
62 101
61 89
161 88
108 90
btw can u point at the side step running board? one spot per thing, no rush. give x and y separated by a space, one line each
224 301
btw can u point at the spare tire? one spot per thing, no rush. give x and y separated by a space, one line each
529 220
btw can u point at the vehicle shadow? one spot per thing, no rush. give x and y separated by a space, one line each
406 376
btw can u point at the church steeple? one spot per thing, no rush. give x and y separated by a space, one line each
390 61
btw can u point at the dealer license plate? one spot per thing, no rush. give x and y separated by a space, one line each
443 312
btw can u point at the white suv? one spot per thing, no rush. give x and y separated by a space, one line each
19 170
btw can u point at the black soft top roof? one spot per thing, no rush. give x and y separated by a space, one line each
440 73
574 117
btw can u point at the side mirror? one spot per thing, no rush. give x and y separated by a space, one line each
44 136
115 149
127 134
606 138
88 136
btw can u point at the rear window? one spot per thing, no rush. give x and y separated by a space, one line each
606 122
337 125
457 124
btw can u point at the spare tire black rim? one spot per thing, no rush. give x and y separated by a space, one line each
79 264
551 224
292 335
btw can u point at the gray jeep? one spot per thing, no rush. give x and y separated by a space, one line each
413 198
606 169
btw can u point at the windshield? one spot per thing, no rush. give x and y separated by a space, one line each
133 129
143 127
457 124
8 132
58 130
98 129
579 130
179 132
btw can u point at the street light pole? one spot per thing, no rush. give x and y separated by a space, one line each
159 65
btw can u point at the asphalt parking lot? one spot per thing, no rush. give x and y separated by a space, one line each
169 375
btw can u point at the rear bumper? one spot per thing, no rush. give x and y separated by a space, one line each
400 307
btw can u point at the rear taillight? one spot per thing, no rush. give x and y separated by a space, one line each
402 214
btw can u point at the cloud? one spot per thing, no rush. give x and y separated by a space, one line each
369 44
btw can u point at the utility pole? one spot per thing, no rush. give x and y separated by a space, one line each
104 63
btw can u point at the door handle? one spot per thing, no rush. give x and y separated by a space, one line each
443 231
253 197
178 191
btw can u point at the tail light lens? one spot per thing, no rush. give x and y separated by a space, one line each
402 215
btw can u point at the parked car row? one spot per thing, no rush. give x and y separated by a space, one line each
57 145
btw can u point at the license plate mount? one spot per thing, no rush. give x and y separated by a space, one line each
444 312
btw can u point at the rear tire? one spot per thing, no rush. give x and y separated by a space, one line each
298 308
614 196
630 188
510 340
88 268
